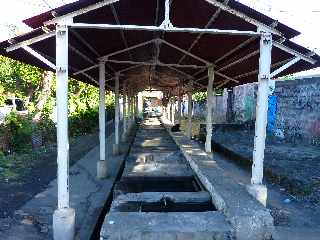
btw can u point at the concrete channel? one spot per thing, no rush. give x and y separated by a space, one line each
159 196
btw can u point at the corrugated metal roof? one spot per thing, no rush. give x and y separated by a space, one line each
184 13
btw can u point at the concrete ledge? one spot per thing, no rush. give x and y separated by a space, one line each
157 169
250 219
152 197
168 226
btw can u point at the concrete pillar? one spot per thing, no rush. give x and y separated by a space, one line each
173 112
140 104
136 106
129 120
116 145
257 189
102 164
179 106
208 146
189 130
64 216
124 110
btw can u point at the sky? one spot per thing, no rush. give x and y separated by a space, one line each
303 16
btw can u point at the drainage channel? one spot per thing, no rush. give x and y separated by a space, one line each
157 187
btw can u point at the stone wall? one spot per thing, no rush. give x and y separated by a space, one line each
295 115
298 112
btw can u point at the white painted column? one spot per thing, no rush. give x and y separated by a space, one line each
208 146
179 106
116 117
124 110
189 130
129 110
257 189
173 112
136 106
102 164
64 216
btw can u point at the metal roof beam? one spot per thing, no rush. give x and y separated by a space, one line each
79 12
252 54
243 16
210 22
157 64
164 29
185 52
284 67
294 52
39 56
105 57
31 41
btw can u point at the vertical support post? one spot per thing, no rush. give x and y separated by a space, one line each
137 106
173 111
257 189
208 146
179 105
102 164
64 216
116 117
189 131
124 110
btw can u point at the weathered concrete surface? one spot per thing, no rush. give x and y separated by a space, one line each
157 169
168 226
250 219
152 197
162 178
87 196
294 167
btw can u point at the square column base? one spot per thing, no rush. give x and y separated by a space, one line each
116 149
64 224
102 169
259 192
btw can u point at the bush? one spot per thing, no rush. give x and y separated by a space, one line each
18 129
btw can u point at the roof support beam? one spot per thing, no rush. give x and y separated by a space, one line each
105 57
86 69
284 67
210 22
293 52
252 54
241 45
164 29
39 56
80 12
185 52
31 41
159 64
243 16
277 64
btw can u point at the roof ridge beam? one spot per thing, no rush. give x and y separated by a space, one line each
243 16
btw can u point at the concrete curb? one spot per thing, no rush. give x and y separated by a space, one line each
250 219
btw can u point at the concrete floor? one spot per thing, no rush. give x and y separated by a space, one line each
150 200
